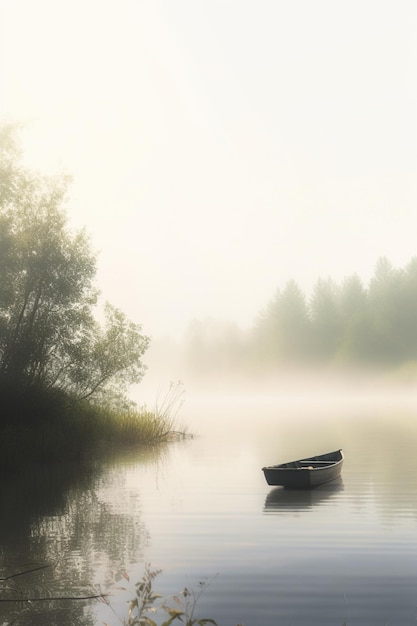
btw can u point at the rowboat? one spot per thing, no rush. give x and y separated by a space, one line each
306 473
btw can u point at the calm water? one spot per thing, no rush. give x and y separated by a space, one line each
202 511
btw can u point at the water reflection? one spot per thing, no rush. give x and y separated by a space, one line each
209 510
74 519
280 500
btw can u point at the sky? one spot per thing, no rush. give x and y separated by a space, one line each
220 148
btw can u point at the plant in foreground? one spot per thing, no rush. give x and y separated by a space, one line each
147 602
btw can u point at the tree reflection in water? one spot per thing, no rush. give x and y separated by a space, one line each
63 517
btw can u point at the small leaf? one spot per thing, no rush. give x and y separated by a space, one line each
149 621
125 576
172 619
132 605
154 596
174 612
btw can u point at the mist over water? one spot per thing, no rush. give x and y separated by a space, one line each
201 510
343 552
329 387
224 154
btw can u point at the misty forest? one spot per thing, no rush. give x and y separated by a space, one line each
65 379
49 337
54 354
208 313
339 324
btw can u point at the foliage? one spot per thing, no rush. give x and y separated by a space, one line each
347 323
49 337
284 329
325 317
167 406
146 602
87 428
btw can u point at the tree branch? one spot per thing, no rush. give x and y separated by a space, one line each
27 571
101 596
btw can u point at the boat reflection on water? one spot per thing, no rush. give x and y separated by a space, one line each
280 500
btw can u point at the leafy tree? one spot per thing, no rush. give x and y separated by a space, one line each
384 297
354 319
49 337
283 330
293 324
353 298
407 324
326 318
265 333
376 325
393 302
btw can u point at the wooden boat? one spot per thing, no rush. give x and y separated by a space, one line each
306 473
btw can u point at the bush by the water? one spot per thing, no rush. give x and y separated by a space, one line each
51 430
64 377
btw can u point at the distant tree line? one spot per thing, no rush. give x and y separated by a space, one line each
339 323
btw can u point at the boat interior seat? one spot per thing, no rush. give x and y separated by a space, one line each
316 462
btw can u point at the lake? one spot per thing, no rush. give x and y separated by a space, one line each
201 511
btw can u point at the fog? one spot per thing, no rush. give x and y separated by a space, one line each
318 390
220 148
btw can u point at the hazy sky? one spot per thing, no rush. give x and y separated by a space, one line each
221 147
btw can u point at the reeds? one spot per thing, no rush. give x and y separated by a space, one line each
140 425
83 430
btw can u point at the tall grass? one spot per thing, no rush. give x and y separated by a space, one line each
168 406
83 430
142 426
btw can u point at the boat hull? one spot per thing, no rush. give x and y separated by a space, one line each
305 473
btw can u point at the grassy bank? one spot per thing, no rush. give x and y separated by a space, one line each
48 430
